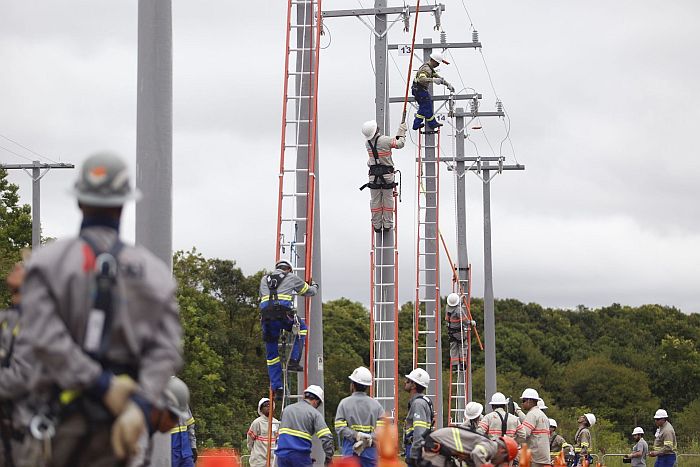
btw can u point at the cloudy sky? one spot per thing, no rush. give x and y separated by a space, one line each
602 98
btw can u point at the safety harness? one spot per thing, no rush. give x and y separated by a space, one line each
408 438
504 423
275 311
378 170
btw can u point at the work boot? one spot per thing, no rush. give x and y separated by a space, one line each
294 365
377 229
279 394
419 126
388 229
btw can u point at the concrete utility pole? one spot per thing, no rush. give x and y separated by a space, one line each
36 176
154 128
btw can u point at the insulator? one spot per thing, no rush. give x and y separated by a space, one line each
474 105
406 15
437 12
443 37
499 106
475 36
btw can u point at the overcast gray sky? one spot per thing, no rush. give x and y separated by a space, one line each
602 97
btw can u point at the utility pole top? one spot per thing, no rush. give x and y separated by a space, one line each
39 165
380 11
440 45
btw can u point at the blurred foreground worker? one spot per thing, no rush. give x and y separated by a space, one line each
446 446
15 372
582 438
381 173
473 414
357 418
300 422
277 312
183 438
458 327
640 450
102 321
534 430
425 76
258 435
498 422
419 418
557 443
664 448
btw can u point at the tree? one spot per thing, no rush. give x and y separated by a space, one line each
15 230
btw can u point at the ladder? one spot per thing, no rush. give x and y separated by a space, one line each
384 316
427 310
297 180
460 367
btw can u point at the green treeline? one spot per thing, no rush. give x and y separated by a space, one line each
621 363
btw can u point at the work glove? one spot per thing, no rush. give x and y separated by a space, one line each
438 81
401 133
116 397
450 87
126 431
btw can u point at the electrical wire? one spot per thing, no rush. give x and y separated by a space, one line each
28 149
16 153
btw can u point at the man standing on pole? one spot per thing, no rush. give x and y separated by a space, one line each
426 76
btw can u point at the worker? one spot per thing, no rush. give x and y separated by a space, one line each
534 430
277 312
15 373
259 437
183 438
458 326
473 414
664 448
425 76
357 418
582 438
419 417
102 321
498 422
448 446
543 407
557 443
640 450
381 173
300 422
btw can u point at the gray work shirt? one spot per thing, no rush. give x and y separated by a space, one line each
642 447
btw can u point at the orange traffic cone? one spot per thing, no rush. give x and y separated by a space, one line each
559 460
219 458
525 457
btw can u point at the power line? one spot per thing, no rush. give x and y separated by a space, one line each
28 149
16 153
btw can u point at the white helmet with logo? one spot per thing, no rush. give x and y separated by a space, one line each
473 410
369 129
419 376
530 393
498 399
661 413
453 299
542 405
260 404
638 431
552 423
591 418
438 57
361 375
315 390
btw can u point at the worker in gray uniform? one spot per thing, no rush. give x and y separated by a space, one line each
357 418
381 173
445 446
582 438
534 430
419 418
301 422
101 319
277 291
498 422
15 372
458 327
640 450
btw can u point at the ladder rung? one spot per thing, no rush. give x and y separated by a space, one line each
383 265
304 145
385 379
383 284
298 121
296 73
299 49
429 193
383 247
383 303
383 398
383 322
427 238
291 195
299 97
293 219
383 340
294 244
295 170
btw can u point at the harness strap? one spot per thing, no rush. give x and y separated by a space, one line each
378 170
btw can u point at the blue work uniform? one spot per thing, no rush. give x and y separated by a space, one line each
358 413
424 77
300 422
182 441
289 286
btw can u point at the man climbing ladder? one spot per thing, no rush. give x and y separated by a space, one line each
277 292
381 173
426 75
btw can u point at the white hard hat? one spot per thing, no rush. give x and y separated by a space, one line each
177 397
369 129
498 399
530 393
542 405
591 418
453 299
419 376
361 375
315 390
473 410
661 413
438 57
638 431
553 422
260 404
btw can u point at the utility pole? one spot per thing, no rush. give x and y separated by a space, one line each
154 128
36 175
